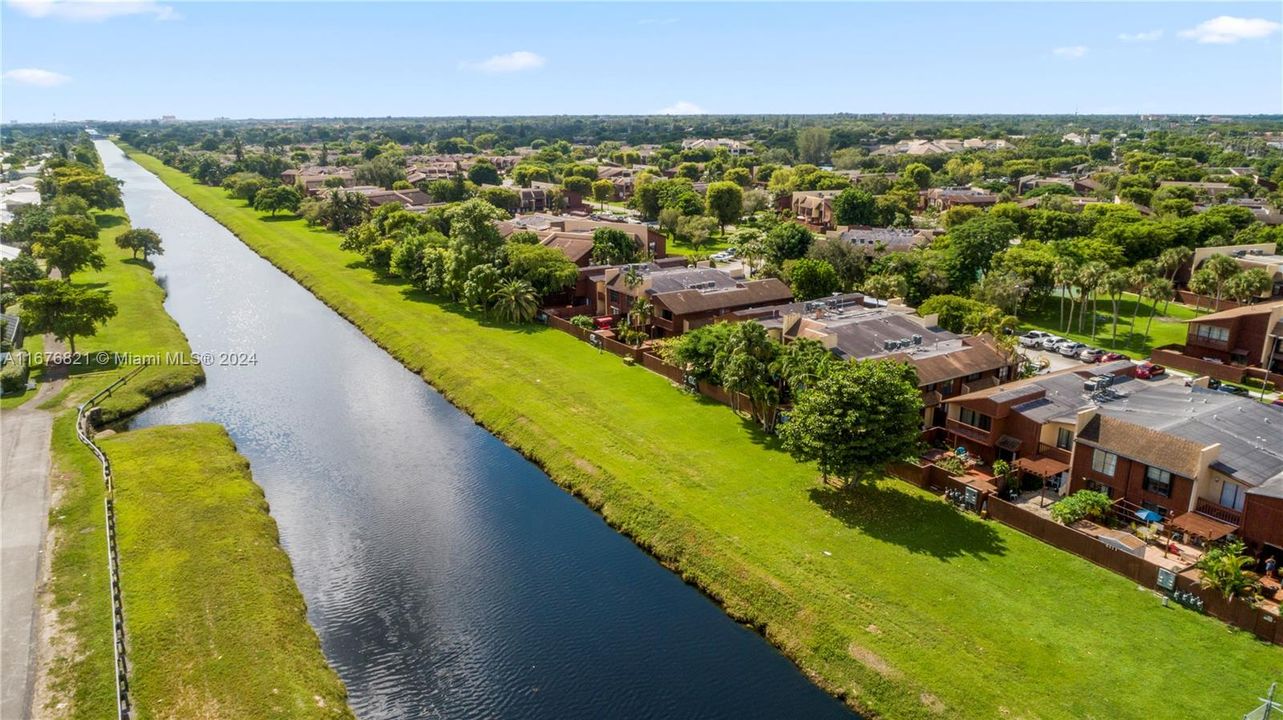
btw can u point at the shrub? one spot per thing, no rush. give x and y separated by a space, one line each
952 465
583 322
13 376
1082 504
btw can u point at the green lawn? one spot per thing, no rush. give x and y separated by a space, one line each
252 653
216 625
883 594
1167 327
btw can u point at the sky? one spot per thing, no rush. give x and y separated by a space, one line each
199 60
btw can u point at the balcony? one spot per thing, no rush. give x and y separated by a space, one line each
974 434
1217 511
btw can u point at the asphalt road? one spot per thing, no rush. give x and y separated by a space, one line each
24 511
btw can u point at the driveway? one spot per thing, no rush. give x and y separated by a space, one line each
24 514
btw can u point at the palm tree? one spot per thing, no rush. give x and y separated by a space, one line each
1063 274
1173 258
639 313
515 301
1221 268
1157 289
1201 283
1114 283
1089 278
1140 275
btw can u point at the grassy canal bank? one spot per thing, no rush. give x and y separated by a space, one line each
216 625
882 594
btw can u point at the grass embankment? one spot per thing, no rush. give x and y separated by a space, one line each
883 594
202 570
249 635
1166 329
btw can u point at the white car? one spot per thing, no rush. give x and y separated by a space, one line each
1033 339
725 255
1051 341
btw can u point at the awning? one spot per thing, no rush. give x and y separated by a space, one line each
1007 442
1203 526
1042 466
1148 515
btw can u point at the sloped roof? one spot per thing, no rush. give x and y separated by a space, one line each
753 292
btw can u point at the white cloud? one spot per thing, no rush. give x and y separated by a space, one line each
92 10
1073 52
36 77
1225 29
682 107
1148 36
518 61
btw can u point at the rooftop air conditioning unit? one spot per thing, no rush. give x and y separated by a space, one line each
917 339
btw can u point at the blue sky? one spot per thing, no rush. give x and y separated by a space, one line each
144 59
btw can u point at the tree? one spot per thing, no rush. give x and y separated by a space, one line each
1173 259
546 269
856 418
1157 289
744 360
474 241
70 253
725 201
382 171
277 198
885 286
813 145
483 172
1114 284
245 185
66 311
1003 290
1202 283
738 175
20 274
918 174
1221 268
854 206
140 240
28 221
1249 285
973 246
810 279
1224 569
99 190
847 261
788 241
955 216
515 301
602 190
611 246
696 229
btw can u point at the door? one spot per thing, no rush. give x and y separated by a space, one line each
1232 495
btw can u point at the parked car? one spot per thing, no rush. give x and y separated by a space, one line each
1091 355
1233 390
1033 338
1148 370
725 255
1051 341
1111 357
1070 349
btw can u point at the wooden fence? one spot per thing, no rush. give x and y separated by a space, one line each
1259 621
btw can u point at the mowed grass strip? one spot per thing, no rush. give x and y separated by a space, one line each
883 594
217 627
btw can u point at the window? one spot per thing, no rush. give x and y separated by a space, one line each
973 377
1104 462
974 419
1064 438
1158 481
1232 495
1107 490
1215 333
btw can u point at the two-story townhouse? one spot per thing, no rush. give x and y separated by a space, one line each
1231 344
683 299
1211 464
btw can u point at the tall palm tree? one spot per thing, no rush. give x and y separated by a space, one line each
639 313
1157 289
1089 278
1221 268
515 301
1063 274
1114 283
1140 275
1173 258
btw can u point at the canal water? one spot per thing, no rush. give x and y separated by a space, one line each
446 576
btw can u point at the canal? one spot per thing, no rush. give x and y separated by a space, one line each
445 575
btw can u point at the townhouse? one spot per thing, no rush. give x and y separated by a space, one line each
942 199
1245 341
814 207
682 299
877 241
1209 463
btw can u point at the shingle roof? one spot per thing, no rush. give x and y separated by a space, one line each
753 292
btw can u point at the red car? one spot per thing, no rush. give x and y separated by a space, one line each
1148 370
1111 357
